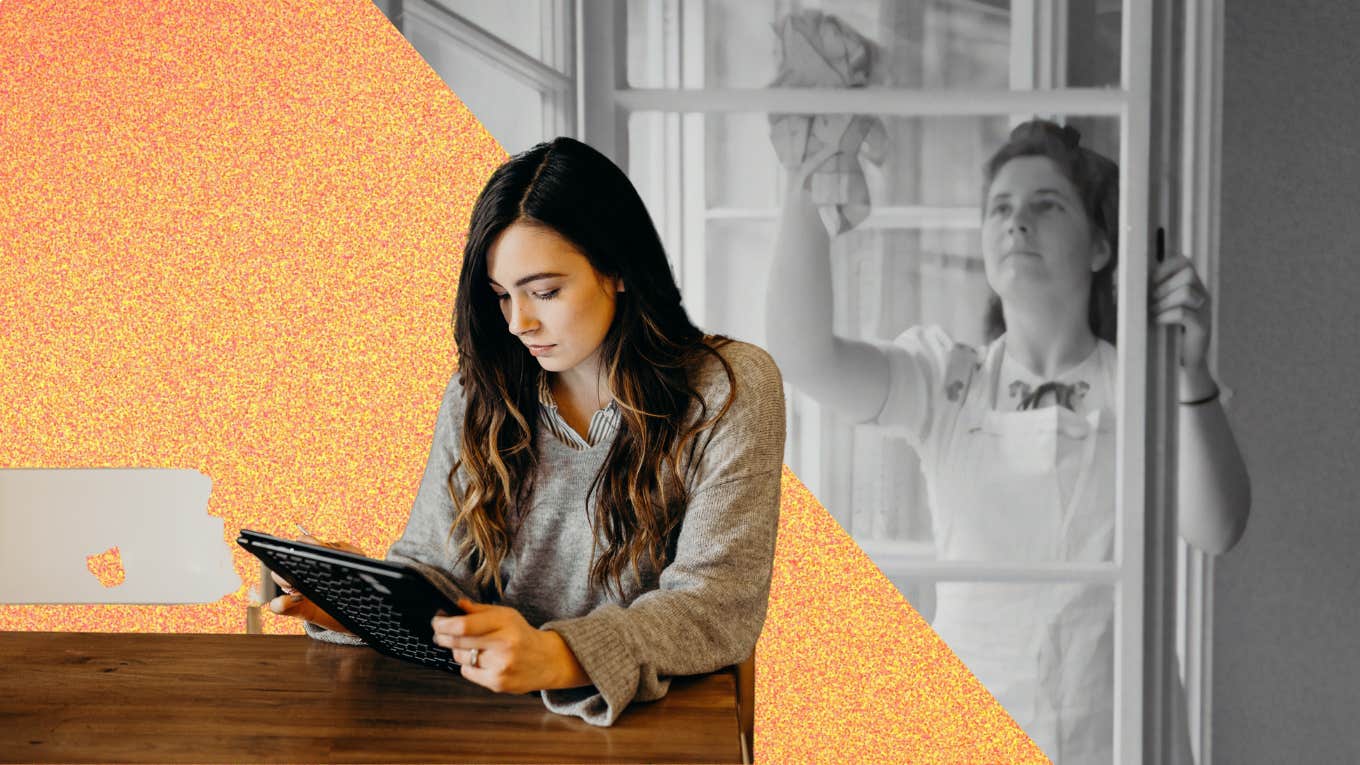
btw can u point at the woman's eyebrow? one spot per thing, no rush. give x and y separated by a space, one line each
530 278
1054 192
535 277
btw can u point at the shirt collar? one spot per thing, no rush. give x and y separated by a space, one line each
545 396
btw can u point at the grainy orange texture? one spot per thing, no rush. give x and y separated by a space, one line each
107 567
230 233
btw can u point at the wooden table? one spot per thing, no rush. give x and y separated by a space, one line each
95 697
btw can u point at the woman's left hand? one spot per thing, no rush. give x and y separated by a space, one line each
512 656
1178 297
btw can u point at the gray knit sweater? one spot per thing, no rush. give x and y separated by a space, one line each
701 612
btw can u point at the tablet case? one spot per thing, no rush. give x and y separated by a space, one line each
387 604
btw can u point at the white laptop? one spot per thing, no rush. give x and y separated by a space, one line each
58 528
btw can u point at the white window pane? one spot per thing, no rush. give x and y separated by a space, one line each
511 110
740 167
914 278
918 43
649 139
1094 37
737 272
518 22
653 34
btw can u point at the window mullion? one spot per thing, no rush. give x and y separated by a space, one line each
1199 219
692 160
559 35
881 218
1133 503
1038 48
877 100
914 560
601 60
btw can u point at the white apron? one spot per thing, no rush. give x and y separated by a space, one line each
1035 485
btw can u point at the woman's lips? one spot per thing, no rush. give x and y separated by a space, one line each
540 350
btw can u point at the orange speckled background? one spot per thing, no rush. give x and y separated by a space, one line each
229 237
107 567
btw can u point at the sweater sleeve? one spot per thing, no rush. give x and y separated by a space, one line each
424 544
710 605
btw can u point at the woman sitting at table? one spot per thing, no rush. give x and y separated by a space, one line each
602 494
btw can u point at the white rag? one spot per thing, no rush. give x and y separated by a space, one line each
820 50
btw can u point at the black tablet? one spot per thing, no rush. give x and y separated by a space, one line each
387 604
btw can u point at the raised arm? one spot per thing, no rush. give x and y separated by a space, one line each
850 376
1213 488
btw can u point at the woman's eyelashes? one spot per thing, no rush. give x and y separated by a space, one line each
1041 205
538 294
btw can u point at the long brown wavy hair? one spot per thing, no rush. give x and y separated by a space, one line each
650 354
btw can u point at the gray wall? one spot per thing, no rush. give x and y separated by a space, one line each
1287 599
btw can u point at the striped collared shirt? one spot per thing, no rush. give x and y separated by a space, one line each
602 424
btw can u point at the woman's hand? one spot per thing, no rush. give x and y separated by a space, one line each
1213 488
295 604
1178 297
512 656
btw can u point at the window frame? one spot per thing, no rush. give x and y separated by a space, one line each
1200 131
553 74
1140 406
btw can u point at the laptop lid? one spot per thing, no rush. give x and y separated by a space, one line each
59 529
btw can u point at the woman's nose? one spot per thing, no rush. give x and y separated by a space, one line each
1019 221
521 319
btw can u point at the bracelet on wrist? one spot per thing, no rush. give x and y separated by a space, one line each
1207 399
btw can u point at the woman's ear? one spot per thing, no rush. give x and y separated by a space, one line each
1101 254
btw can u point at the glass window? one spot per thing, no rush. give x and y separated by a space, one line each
519 23
511 110
910 44
905 201
914 261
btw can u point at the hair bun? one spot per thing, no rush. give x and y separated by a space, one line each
1071 136
1041 129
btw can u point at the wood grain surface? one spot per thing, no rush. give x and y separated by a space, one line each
97 697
